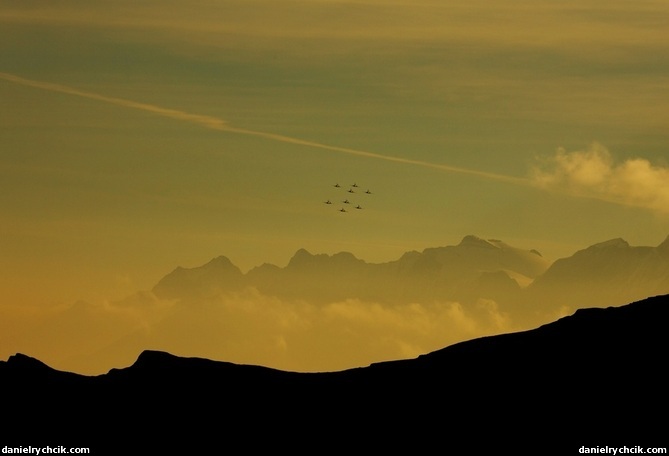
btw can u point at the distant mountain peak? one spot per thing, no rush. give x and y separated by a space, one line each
151 358
664 246
220 262
303 253
219 273
24 361
475 241
303 258
344 256
611 243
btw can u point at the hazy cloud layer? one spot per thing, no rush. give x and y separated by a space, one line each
594 173
249 328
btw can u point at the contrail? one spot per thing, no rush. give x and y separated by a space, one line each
215 123
207 121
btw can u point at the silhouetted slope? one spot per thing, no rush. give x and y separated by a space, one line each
594 378
20 368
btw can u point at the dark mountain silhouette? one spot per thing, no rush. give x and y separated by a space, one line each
594 378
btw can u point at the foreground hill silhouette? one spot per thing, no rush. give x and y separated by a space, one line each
595 378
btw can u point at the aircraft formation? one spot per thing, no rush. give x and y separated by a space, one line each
353 189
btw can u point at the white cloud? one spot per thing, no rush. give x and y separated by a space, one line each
594 173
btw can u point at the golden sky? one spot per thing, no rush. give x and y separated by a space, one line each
139 137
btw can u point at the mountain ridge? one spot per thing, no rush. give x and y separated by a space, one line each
611 271
438 271
593 376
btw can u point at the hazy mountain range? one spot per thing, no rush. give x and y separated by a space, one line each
595 378
457 272
330 312
607 273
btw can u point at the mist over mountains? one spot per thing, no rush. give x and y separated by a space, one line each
475 266
607 273
325 312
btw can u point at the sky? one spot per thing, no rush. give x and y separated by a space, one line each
136 137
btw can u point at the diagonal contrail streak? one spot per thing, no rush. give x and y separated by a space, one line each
207 121
219 124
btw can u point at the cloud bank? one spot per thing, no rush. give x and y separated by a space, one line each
594 173
248 327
